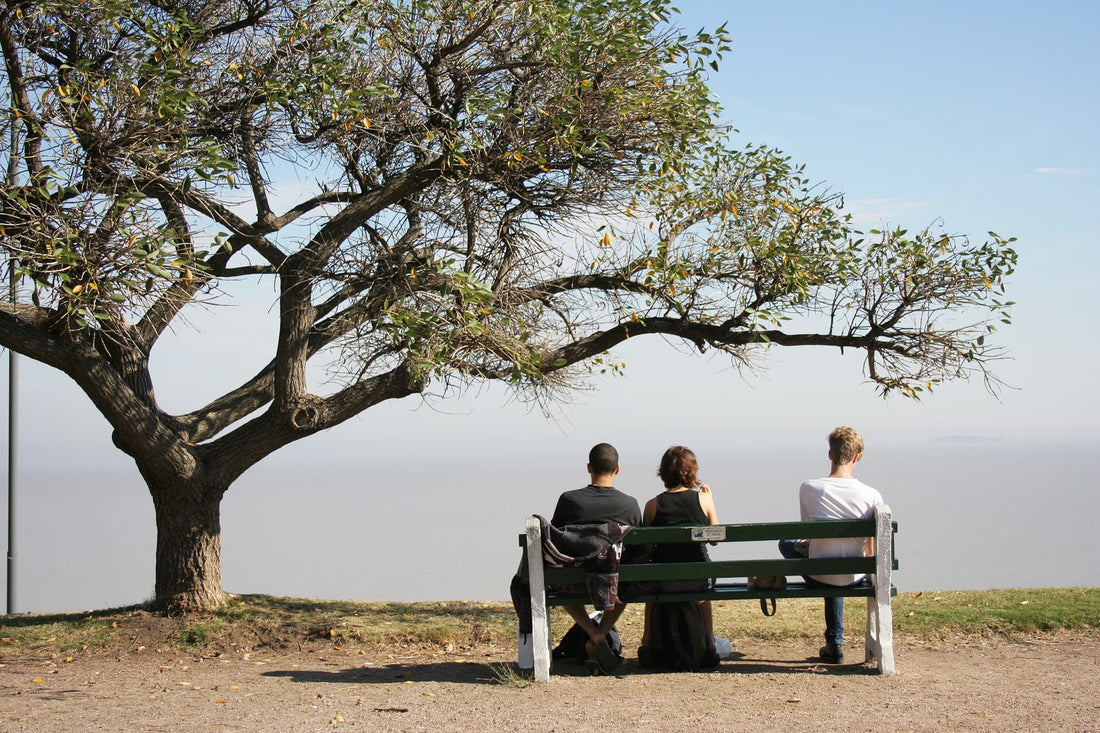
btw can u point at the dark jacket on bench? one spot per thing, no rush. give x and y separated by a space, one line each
596 547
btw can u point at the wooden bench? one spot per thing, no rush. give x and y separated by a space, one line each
731 576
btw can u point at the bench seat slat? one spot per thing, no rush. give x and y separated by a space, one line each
736 591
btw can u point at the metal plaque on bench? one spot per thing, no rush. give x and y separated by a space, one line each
716 533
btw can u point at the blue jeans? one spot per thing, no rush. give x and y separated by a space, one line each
834 607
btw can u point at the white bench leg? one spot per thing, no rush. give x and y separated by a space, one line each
540 619
883 611
870 642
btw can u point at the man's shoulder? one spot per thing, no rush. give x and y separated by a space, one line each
593 490
836 497
569 493
829 483
594 504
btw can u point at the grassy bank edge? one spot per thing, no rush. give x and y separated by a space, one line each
258 621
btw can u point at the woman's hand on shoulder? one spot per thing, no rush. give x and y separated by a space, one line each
704 489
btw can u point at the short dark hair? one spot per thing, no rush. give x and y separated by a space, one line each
678 468
603 459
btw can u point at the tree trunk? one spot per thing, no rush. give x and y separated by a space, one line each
188 548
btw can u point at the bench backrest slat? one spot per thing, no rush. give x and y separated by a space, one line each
722 569
763 532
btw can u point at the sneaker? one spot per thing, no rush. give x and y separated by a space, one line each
832 654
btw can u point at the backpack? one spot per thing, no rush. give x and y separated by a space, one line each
571 645
677 639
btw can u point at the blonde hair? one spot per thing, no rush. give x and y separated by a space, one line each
845 444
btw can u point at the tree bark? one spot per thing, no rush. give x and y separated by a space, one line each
188 559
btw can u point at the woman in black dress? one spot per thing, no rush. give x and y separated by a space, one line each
685 501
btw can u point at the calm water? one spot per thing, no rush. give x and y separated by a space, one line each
971 517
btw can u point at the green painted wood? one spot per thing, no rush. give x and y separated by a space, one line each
759 532
736 592
723 569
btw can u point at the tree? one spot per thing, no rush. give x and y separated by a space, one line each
452 151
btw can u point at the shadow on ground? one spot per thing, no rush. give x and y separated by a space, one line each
476 673
472 673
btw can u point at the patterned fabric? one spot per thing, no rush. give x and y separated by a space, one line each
596 547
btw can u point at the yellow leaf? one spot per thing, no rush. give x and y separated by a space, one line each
77 289
135 88
38 680
606 239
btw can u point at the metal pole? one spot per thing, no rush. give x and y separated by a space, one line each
13 420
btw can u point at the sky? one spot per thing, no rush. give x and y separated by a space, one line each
980 115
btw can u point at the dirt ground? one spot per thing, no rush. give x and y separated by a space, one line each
1039 682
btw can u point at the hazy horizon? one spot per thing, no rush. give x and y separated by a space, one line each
970 517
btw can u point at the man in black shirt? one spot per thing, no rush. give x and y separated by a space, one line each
598 503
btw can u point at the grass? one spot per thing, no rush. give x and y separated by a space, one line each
258 621
512 676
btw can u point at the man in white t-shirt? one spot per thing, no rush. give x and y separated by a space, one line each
837 496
